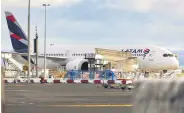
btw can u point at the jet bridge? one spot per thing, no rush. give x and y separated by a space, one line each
117 60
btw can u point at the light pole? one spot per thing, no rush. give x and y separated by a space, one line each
45 5
29 61
36 51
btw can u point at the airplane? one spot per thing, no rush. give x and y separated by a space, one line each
151 58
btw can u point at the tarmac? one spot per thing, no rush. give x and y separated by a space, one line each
66 98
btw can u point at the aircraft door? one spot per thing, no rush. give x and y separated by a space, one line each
151 56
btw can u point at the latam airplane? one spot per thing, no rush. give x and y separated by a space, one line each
151 58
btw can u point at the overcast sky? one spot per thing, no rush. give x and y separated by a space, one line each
125 22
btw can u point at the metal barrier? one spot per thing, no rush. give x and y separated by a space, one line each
77 76
83 81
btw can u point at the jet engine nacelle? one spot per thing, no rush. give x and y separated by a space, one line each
79 64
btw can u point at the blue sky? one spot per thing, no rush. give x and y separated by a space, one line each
107 22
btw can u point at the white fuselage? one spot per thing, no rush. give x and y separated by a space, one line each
154 59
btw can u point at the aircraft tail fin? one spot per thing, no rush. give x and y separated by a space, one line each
18 38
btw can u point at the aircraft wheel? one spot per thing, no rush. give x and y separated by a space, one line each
106 85
129 87
123 87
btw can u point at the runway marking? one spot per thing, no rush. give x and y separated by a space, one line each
91 105
17 90
19 85
14 85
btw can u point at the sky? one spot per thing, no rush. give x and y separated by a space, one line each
125 22
106 22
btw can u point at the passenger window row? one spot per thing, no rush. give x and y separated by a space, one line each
75 54
54 54
82 54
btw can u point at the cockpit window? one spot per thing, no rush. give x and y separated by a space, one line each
168 55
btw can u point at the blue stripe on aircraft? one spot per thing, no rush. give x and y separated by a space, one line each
15 29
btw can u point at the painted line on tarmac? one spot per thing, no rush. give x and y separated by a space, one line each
14 85
17 90
19 85
90 105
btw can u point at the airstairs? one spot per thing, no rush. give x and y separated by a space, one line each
13 65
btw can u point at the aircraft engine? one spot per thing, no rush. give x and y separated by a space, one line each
79 64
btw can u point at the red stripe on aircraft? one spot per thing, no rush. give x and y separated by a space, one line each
15 36
11 18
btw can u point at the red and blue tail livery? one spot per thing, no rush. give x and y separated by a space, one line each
18 38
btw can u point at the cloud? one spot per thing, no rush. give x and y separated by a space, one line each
77 27
123 31
38 3
138 5
162 6
109 22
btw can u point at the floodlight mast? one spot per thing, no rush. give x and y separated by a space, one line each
29 45
45 5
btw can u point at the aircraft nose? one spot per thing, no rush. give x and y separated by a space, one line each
175 63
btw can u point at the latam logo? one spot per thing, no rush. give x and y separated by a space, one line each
133 50
146 51
138 52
